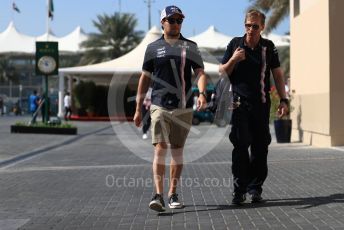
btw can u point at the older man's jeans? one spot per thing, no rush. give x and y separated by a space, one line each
250 130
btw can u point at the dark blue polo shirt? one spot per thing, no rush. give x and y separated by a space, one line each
251 77
169 63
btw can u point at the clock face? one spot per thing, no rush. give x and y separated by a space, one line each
46 64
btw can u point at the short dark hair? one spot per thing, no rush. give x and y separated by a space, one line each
255 13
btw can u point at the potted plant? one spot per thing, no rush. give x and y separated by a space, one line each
282 124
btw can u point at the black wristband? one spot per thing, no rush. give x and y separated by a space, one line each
285 100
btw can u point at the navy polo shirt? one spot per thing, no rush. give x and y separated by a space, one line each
251 77
171 67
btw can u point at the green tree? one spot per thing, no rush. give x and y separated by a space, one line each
284 55
3 67
276 10
8 71
116 37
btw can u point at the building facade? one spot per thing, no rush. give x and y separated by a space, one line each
317 54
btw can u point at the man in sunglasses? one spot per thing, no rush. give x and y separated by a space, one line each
248 62
167 69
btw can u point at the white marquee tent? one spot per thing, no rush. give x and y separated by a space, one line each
71 42
128 63
47 37
279 40
211 39
12 41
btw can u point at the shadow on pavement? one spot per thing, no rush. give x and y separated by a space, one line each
304 203
48 148
307 202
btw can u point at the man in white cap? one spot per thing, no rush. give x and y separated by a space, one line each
167 69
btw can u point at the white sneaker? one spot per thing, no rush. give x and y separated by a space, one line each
174 203
144 136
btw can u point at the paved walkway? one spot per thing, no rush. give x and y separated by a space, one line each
92 181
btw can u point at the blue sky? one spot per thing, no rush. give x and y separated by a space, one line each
226 15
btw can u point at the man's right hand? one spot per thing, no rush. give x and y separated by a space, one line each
239 54
137 118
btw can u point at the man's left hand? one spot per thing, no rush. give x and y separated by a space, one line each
282 109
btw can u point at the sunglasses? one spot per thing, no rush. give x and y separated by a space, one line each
254 26
174 20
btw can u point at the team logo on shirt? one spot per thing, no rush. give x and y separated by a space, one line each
184 46
161 52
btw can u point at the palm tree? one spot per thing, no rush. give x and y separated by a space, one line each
116 37
276 10
284 55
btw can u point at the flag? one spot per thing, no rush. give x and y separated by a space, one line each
51 9
15 7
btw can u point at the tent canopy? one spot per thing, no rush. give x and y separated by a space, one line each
279 40
128 63
211 39
12 41
71 42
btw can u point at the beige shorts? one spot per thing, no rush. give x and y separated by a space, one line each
170 126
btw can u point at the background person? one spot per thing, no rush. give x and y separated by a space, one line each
1 106
33 105
45 101
67 101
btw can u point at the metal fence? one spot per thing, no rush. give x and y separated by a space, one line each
14 99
